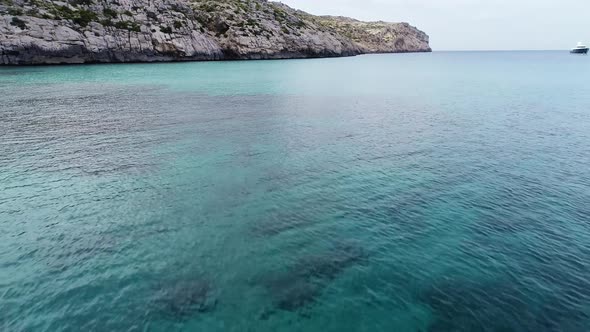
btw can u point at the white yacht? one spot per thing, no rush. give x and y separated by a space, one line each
580 49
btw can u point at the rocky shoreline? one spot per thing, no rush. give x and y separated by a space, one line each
114 31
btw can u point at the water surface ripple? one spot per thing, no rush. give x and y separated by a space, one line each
420 192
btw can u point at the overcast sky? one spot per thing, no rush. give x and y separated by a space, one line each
474 24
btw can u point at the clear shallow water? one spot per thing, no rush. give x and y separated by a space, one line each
418 192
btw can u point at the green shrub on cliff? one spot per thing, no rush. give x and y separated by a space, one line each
110 13
15 11
127 25
17 22
61 12
83 17
81 2
107 22
33 12
133 26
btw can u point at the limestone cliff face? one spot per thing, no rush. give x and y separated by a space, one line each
269 30
89 31
94 31
379 37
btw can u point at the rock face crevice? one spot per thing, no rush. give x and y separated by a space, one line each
104 31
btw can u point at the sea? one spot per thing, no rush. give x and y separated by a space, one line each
441 192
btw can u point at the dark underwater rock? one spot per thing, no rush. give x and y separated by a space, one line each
328 266
296 295
304 282
502 305
281 223
186 298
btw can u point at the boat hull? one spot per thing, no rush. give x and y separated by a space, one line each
579 51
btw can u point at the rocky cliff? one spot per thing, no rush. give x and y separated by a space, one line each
378 37
93 31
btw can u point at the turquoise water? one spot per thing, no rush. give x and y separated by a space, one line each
415 192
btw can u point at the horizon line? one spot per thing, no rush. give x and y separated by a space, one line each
502 50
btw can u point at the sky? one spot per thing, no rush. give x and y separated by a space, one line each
474 24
